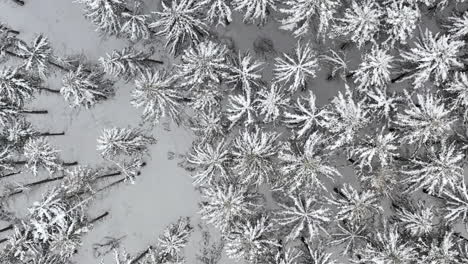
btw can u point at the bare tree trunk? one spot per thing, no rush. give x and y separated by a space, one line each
14 54
141 255
19 162
110 185
53 63
94 220
3 240
34 112
10 174
109 175
32 184
154 61
12 31
400 77
51 134
10 227
19 2
67 164
48 90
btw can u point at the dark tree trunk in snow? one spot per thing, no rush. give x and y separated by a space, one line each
141 255
110 185
10 227
10 174
109 175
48 90
51 134
32 184
154 61
399 77
67 164
94 220
19 2
3 240
34 112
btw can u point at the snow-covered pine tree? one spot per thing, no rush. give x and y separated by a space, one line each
382 104
211 160
245 72
440 249
6 157
128 63
360 22
208 125
174 239
374 69
458 27
458 86
400 21
306 168
219 12
305 217
105 14
241 108
115 142
202 63
251 240
417 220
36 56
294 70
225 205
16 86
427 120
17 132
271 103
456 204
180 21
255 10
302 14
380 148
439 169
253 153
85 87
387 246
40 154
433 57
157 94
346 117
305 116
350 234
135 26
356 206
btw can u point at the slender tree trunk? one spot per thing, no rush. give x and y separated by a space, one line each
400 77
51 134
19 162
109 175
10 174
110 185
94 220
48 90
3 240
154 61
345 45
338 191
306 245
67 164
53 63
32 184
349 75
10 227
19 2
12 31
14 54
141 255
34 112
